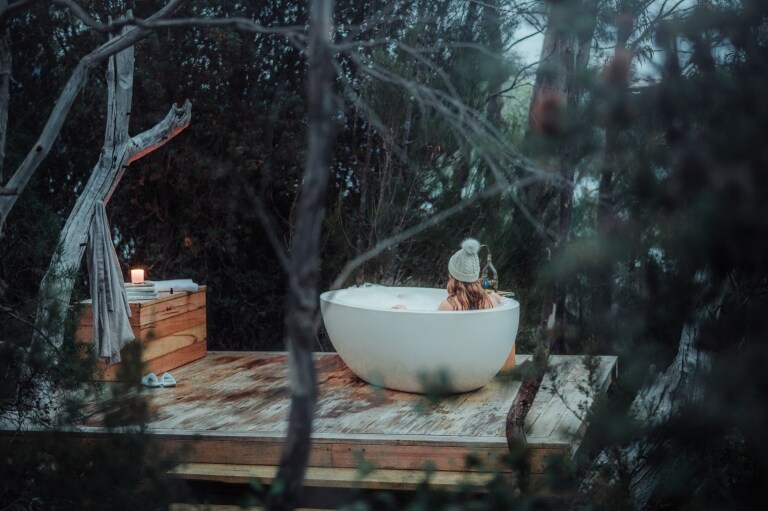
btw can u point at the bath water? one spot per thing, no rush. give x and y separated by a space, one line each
383 297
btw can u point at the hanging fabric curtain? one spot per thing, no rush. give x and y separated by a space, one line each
111 326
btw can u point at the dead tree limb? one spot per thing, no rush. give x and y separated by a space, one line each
18 181
118 152
654 405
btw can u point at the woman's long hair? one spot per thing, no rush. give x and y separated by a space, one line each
467 296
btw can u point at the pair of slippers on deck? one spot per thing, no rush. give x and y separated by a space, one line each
152 381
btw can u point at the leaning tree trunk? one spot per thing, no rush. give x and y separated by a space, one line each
680 385
118 152
301 318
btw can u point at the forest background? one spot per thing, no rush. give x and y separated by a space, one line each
626 207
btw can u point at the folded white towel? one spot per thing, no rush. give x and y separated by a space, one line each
140 292
145 293
142 298
176 285
144 285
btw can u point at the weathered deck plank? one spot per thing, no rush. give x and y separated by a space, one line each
561 407
231 408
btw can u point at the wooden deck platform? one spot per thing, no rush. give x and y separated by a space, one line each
227 417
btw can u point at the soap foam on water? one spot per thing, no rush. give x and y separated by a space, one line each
382 297
414 300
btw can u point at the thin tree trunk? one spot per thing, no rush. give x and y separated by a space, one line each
559 84
492 23
463 165
301 319
5 93
556 334
616 81
564 56
363 239
118 152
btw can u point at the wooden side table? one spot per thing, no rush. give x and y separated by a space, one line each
171 329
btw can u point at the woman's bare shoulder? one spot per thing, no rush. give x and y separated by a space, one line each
445 306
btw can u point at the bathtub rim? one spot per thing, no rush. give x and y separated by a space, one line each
510 304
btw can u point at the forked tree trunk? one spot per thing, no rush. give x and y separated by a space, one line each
301 318
118 152
24 172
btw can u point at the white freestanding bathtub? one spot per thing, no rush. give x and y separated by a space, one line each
418 349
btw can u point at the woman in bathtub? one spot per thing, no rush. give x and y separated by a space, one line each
464 289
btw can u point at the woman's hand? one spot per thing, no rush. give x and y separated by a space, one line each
398 306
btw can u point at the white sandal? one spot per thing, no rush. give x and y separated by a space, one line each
150 380
166 380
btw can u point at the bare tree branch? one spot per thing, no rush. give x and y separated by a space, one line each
176 120
515 80
653 24
83 16
467 124
518 41
435 219
118 151
295 34
52 128
43 334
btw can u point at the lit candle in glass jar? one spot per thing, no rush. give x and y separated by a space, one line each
137 276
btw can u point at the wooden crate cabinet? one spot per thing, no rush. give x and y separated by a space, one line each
171 330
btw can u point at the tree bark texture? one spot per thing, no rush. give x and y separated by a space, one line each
497 77
558 86
301 319
564 56
655 404
21 176
118 152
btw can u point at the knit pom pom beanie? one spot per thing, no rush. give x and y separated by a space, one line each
464 265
